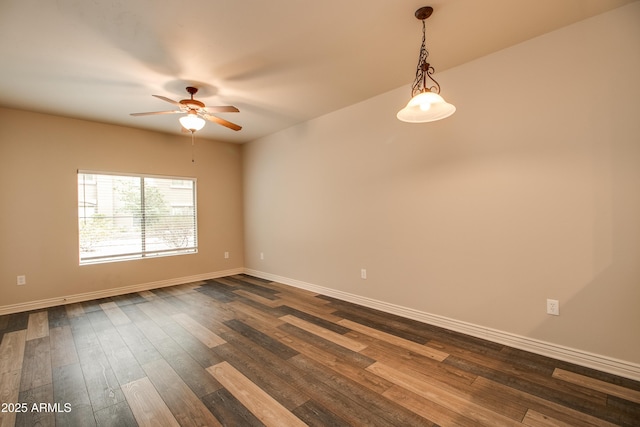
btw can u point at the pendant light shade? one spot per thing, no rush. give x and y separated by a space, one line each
426 104
192 122
426 107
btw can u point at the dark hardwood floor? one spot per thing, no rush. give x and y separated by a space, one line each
242 351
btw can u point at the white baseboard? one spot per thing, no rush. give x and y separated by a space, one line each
567 354
69 299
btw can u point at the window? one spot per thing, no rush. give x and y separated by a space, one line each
135 216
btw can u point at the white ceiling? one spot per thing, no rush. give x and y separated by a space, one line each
280 62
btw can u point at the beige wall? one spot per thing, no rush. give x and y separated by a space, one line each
530 191
39 157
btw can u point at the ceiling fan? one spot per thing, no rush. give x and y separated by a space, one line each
196 111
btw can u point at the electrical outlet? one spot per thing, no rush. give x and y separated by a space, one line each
553 307
226 255
363 273
261 255
22 280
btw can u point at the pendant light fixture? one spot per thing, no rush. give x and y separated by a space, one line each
426 104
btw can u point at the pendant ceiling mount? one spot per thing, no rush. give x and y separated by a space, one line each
424 12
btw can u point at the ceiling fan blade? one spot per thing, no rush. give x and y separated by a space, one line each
222 122
153 113
222 109
170 101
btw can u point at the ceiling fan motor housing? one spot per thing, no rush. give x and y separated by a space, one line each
192 103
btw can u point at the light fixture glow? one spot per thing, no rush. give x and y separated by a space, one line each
192 122
426 104
426 107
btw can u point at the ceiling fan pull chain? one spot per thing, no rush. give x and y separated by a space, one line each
192 149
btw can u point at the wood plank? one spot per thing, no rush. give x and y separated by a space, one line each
63 347
118 415
74 310
38 325
83 333
405 359
192 373
12 351
257 298
102 385
69 389
184 288
569 395
294 292
326 334
57 316
316 415
193 347
397 341
214 309
186 360
595 384
218 291
36 366
206 336
269 381
4 322
141 348
311 307
258 289
148 295
484 386
124 364
9 393
536 419
226 408
384 410
185 406
244 311
262 405
16 322
338 363
432 411
257 338
326 321
353 411
37 396
146 404
201 314
248 357
303 342
156 312
381 324
115 313
127 299
446 398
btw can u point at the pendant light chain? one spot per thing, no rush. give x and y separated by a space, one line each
424 69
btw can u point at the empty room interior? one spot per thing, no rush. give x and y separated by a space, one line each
244 214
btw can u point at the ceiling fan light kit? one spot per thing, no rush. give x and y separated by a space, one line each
192 122
426 104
